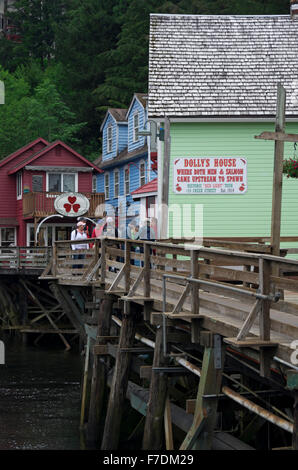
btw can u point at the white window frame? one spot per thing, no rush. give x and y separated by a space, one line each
52 226
19 185
107 185
136 126
126 181
142 162
62 173
109 138
116 172
14 233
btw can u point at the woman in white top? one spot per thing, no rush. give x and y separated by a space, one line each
79 234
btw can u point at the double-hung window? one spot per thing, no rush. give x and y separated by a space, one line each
109 139
135 127
62 182
126 180
142 173
19 185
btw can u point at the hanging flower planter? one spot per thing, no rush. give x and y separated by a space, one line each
290 167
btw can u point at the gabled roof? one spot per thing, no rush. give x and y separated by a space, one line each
123 157
118 114
141 97
49 147
146 189
23 150
221 65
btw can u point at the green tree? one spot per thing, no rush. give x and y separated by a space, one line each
29 114
36 21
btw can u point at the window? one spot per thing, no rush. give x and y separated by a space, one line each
116 183
126 180
109 139
142 173
19 185
8 237
107 186
62 182
37 183
135 127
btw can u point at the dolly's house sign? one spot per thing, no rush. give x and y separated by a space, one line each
71 204
210 175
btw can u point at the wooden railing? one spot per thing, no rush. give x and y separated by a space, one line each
242 289
24 258
41 204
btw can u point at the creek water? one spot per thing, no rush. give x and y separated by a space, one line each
40 392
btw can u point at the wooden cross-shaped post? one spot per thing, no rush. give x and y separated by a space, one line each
279 137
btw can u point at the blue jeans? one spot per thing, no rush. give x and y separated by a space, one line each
78 266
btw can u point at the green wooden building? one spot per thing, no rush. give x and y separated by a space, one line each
215 78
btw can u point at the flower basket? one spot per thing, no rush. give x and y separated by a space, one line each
290 168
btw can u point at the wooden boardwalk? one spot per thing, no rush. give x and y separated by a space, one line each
176 312
223 290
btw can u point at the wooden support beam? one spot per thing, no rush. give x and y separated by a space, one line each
264 286
249 320
278 171
98 392
205 411
168 426
51 321
154 425
119 385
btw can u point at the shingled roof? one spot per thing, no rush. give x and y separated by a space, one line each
221 65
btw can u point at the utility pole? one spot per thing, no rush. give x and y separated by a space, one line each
165 180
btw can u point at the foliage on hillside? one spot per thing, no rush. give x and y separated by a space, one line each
77 58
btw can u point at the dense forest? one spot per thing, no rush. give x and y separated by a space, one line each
77 58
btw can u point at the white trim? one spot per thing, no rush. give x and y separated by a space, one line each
135 98
19 183
140 196
14 232
212 16
215 119
61 188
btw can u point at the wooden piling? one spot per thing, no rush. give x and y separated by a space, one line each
119 383
99 373
154 425
200 435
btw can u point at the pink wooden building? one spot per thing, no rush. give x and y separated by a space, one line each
30 180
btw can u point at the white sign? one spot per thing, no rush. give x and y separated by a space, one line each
210 175
71 204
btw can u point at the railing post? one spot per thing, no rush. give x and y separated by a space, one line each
195 307
127 247
195 301
103 261
18 254
147 289
264 287
54 268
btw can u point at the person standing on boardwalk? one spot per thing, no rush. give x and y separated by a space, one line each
79 234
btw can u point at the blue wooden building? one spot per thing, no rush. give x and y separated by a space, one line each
125 159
